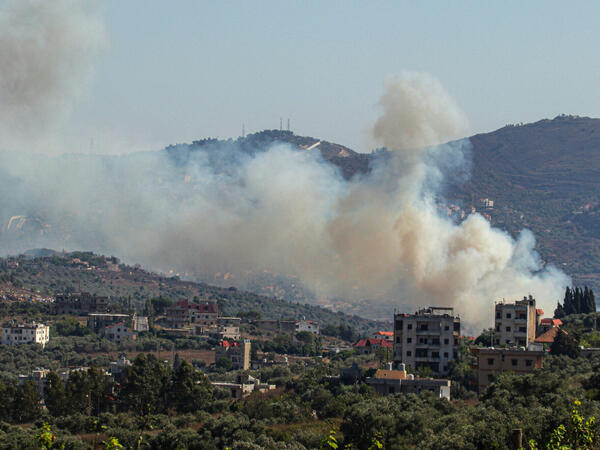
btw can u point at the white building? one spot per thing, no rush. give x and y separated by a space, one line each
428 338
26 334
515 323
307 325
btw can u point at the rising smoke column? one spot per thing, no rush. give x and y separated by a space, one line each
379 236
46 54
468 264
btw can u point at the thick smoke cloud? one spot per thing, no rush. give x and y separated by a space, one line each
379 237
46 52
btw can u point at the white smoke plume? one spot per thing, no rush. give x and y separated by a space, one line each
46 54
378 237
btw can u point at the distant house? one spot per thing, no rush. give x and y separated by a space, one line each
389 381
370 345
98 321
287 326
80 304
548 337
118 332
493 361
387 335
185 313
27 333
237 351
308 326
244 386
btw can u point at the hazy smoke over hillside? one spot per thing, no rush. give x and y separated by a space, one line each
46 51
379 236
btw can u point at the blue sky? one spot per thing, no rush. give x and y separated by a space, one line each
182 70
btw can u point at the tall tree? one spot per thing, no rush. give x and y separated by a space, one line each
190 389
55 395
145 386
26 403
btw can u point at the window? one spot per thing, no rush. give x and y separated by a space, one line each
507 328
490 361
408 353
523 329
435 354
445 354
435 341
409 326
508 315
398 324
498 327
528 362
514 362
399 340
490 377
446 341
408 340
498 315
446 328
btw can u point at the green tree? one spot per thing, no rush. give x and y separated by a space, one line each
564 344
190 389
55 395
26 403
144 386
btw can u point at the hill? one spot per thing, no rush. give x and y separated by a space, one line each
26 278
544 176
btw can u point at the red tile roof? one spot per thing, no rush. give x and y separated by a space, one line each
549 336
555 322
385 333
540 312
371 342
229 344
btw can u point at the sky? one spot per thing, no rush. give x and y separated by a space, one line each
177 71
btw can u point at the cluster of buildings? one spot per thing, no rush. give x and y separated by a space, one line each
429 339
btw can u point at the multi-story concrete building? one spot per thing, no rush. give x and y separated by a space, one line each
492 361
80 304
28 333
515 323
237 352
184 313
97 322
428 338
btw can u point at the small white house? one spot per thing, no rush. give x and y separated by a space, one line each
307 325
26 334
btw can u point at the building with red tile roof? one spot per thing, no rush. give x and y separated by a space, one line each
370 345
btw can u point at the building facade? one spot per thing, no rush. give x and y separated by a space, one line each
428 338
516 323
237 352
36 333
493 361
118 332
389 382
185 313
80 304
97 321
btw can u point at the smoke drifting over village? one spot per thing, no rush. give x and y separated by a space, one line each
378 236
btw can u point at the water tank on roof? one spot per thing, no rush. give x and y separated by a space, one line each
402 366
